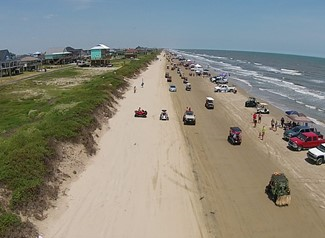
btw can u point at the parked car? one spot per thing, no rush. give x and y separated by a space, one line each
251 102
225 88
305 140
172 88
317 154
188 87
295 131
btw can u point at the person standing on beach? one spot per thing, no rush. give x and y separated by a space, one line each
262 133
276 126
282 122
254 119
134 89
272 124
142 84
259 117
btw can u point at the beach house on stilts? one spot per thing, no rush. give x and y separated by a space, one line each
100 55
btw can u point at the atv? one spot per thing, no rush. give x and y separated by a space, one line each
278 189
140 113
164 115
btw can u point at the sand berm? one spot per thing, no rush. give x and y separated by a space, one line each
163 179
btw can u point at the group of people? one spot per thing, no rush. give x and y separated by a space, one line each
257 118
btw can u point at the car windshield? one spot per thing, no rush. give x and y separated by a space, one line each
189 113
321 148
172 86
302 137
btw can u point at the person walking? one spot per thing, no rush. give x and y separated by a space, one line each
142 84
254 119
135 89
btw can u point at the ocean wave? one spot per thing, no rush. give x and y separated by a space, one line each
269 68
317 122
291 72
311 107
299 102
312 93
317 81
243 81
277 93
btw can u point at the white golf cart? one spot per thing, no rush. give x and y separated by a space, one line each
262 108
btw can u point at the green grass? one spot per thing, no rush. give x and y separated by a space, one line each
30 121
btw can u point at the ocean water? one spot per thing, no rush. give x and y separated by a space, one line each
289 82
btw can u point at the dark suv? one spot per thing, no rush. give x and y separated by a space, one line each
293 132
251 102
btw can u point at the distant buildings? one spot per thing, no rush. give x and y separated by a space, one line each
100 55
9 65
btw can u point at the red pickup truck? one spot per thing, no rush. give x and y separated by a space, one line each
305 140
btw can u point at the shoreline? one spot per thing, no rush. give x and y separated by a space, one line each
285 103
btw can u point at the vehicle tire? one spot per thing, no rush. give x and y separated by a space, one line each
319 161
299 148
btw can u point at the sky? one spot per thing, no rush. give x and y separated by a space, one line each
276 26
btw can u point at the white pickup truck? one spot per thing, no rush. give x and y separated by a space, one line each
225 88
317 154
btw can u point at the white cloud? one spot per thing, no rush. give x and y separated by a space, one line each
49 16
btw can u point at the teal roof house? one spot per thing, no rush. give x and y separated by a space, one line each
100 55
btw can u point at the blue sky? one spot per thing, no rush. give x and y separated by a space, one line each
279 26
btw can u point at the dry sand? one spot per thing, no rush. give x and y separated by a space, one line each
153 178
140 183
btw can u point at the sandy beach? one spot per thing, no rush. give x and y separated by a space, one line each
153 178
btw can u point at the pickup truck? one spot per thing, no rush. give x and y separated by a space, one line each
317 154
295 131
305 140
225 88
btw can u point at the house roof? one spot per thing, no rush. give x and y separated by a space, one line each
29 59
4 54
131 51
100 47
57 51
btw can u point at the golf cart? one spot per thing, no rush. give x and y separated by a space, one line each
164 115
262 108
209 103
234 136
188 87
